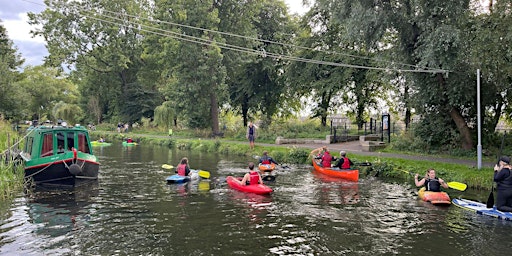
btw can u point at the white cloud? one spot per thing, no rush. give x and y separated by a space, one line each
19 29
295 6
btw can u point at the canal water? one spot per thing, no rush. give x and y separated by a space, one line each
131 210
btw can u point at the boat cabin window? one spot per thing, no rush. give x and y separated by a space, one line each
47 147
83 144
71 140
60 143
29 144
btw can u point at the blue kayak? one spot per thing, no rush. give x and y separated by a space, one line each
177 179
181 179
482 209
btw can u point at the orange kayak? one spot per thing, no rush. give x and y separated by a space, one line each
267 167
347 174
436 198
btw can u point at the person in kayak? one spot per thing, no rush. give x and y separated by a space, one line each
326 159
430 181
183 169
344 162
503 179
266 159
253 177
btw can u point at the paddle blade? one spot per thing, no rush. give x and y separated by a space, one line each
457 185
167 166
204 174
490 200
363 164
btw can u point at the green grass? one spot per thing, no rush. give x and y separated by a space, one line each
11 177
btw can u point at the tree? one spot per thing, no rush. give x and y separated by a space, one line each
102 41
44 88
11 97
190 59
427 35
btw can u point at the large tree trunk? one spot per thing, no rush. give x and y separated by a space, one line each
465 132
462 126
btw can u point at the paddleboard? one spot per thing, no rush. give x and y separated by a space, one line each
481 209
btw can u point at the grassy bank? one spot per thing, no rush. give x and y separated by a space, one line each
11 177
381 166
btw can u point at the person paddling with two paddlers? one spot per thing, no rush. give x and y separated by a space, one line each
343 162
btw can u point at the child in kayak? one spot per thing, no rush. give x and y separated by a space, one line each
251 178
183 169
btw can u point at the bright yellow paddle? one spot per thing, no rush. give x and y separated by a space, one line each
457 185
452 184
204 174
167 166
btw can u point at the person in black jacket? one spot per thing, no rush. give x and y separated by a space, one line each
503 179
430 181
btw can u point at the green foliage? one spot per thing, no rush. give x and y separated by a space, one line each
11 176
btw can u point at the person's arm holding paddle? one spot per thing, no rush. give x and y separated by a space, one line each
420 182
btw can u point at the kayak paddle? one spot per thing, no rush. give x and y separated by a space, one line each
167 166
204 174
452 184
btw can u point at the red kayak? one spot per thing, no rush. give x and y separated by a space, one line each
347 174
259 189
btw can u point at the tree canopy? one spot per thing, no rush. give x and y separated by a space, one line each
184 62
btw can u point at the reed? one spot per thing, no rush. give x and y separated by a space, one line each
11 175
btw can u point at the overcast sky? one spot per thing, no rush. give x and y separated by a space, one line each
13 16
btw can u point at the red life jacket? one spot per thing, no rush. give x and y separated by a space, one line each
265 160
326 160
346 163
181 169
255 178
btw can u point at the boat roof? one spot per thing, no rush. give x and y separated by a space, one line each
55 127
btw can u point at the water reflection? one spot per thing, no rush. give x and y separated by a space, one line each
133 211
56 210
336 190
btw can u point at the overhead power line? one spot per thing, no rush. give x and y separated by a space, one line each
115 20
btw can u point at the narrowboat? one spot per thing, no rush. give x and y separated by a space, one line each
59 155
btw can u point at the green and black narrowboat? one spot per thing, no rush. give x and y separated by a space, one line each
59 155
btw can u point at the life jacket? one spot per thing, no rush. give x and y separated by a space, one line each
255 178
433 185
182 169
346 163
251 130
326 159
265 160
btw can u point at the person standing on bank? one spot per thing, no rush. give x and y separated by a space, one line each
430 181
503 179
251 134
